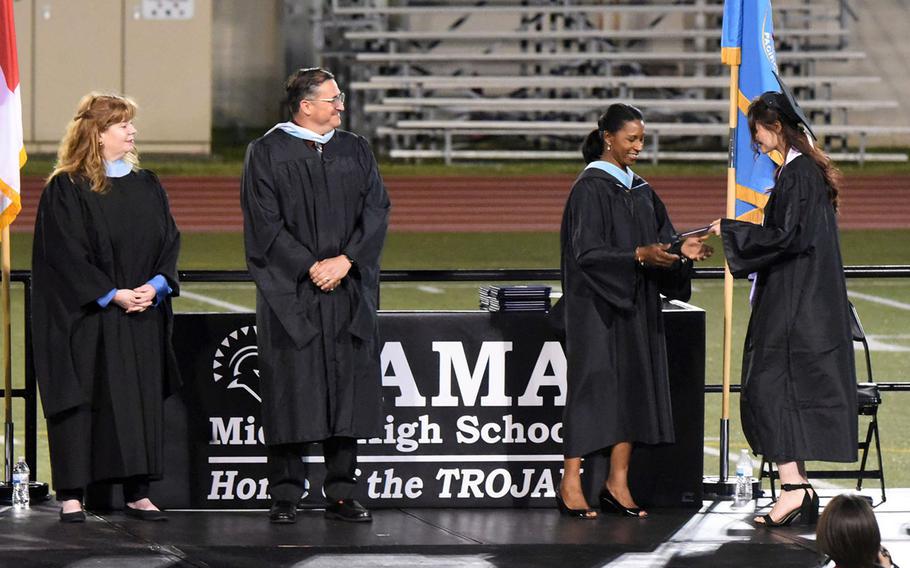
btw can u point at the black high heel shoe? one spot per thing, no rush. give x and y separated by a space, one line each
807 510
609 504
574 513
814 507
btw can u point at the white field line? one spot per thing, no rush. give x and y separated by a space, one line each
216 302
876 344
879 300
474 285
17 443
220 285
875 341
555 294
409 285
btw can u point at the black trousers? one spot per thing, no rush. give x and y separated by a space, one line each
287 472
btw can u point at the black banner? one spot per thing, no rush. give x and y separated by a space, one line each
473 409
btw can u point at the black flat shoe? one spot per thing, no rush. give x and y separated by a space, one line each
348 510
144 515
74 517
807 512
283 513
609 504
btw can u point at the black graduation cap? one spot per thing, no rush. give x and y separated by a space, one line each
786 104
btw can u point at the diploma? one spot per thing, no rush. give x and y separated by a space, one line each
699 232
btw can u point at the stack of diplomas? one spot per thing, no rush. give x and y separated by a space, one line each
515 298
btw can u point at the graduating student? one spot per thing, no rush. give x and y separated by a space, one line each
104 267
616 261
798 398
315 216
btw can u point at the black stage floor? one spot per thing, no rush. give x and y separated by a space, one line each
715 536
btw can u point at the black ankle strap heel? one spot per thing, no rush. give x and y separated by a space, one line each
807 510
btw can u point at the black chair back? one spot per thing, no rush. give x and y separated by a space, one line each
859 335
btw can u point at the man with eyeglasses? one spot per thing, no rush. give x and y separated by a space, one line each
315 215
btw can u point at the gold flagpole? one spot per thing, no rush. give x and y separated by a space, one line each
7 352
728 279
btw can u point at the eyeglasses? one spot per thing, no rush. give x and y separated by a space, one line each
336 100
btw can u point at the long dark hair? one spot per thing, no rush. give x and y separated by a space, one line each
761 112
848 533
612 121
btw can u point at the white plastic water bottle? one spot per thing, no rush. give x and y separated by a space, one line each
20 484
743 479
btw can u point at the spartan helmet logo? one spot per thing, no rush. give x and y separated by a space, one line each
237 361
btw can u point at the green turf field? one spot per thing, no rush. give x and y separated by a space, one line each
884 305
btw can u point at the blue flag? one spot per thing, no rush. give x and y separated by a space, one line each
747 40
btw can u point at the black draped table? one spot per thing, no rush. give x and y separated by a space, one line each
473 415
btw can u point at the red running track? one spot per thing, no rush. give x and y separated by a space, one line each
531 203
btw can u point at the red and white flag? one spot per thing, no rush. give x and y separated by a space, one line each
12 151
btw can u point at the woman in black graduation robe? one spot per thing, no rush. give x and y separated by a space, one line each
613 273
103 266
798 397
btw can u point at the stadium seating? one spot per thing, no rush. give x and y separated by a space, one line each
445 79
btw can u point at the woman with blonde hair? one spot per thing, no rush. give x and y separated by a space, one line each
104 266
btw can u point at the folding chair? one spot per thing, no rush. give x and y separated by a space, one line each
868 399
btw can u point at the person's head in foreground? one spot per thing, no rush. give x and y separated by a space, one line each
848 534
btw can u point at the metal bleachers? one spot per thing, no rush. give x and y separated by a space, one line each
460 7
445 79
537 35
620 57
417 104
624 85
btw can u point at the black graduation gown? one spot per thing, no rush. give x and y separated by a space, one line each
318 352
618 385
118 366
799 380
